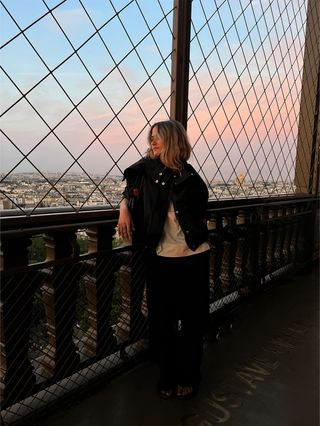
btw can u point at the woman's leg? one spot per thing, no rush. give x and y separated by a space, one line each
162 308
193 313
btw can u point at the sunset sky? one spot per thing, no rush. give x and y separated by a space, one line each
112 76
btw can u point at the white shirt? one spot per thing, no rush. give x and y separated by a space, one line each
173 243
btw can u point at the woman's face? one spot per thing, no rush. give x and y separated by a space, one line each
156 142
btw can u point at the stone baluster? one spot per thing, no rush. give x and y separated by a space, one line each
215 238
138 321
288 235
17 292
212 225
304 237
227 276
256 248
271 238
122 328
298 246
88 343
99 340
263 242
241 256
130 302
59 293
295 234
279 239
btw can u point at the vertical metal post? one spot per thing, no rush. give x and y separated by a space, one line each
308 135
315 141
180 61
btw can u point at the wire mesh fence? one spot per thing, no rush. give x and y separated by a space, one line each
74 311
81 82
246 85
94 89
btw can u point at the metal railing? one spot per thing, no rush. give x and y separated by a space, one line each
80 314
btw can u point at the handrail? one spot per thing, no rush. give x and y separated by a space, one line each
251 241
64 219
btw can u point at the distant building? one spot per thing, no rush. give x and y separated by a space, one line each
5 204
240 181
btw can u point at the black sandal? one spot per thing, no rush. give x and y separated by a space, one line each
165 391
187 395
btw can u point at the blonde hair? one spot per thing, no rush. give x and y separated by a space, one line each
177 148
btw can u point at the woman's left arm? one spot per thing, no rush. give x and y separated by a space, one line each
125 222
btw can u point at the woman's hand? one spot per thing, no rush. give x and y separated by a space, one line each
125 223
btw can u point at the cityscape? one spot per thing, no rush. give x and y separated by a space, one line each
31 190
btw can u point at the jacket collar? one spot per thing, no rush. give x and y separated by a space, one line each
158 172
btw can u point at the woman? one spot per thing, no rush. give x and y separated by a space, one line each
164 208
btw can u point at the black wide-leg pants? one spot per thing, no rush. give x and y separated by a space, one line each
178 306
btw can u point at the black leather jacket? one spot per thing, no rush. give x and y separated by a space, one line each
150 188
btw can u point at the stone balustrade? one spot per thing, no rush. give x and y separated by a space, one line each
63 314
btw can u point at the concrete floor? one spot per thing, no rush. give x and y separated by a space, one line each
266 372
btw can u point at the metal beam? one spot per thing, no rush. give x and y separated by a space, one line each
180 61
315 143
308 131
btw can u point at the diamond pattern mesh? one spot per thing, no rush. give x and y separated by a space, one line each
82 80
245 83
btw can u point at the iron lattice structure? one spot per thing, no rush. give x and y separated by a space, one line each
81 86
82 80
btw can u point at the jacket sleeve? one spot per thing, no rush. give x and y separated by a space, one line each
132 175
